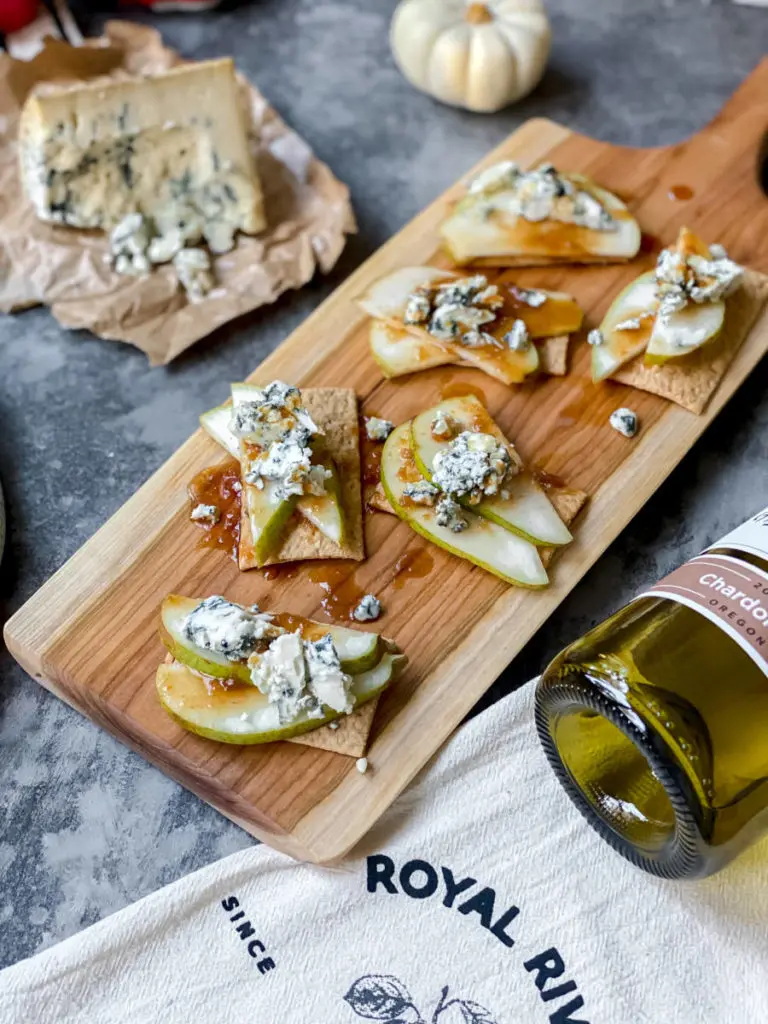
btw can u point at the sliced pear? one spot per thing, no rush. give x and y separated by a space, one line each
559 314
527 511
325 512
485 543
215 423
268 514
358 651
398 351
387 297
241 714
638 299
681 333
485 227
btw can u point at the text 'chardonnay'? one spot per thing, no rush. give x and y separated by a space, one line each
656 721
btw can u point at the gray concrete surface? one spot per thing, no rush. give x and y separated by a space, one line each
87 826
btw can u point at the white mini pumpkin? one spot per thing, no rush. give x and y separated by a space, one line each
481 56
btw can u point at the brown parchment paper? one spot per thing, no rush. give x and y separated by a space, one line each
308 211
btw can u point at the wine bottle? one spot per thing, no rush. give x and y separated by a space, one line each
656 721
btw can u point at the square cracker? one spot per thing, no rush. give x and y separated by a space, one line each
351 737
692 380
335 412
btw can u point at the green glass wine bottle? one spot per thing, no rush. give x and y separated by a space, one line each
656 721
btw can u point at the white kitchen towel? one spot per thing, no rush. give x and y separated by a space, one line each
481 898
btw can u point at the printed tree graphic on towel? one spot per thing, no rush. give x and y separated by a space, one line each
384 998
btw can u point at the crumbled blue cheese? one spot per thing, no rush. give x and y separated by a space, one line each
362 765
625 421
634 323
442 427
272 414
421 493
327 682
531 297
681 279
205 513
456 310
517 338
302 677
193 267
474 465
128 244
418 307
450 514
276 422
226 628
280 673
377 429
286 464
596 337
542 194
368 610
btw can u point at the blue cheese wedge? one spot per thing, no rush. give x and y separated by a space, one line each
173 148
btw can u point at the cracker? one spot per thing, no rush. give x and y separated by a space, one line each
692 380
351 737
553 355
335 412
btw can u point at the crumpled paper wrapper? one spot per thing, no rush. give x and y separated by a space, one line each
308 210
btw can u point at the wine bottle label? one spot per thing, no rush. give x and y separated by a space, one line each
731 593
751 536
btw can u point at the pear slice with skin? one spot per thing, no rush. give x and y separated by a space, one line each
323 511
638 299
358 651
527 511
485 227
398 351
241 714
387 299
484 543
678 334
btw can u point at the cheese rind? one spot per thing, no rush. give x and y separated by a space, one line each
172 147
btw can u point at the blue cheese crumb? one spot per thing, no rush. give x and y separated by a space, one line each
368 610
625 422
378 429
205 514
362 765
596 337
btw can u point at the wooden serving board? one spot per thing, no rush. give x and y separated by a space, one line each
89 635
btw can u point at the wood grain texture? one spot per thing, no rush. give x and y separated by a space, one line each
89 634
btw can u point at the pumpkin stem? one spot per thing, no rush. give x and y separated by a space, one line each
477 13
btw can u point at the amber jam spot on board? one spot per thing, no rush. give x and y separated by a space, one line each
216 486
413 565
547 480
341 592
681 193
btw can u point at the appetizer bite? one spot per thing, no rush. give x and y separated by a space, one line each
512 217
426 317
243 676
453 476
299 472
673 331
